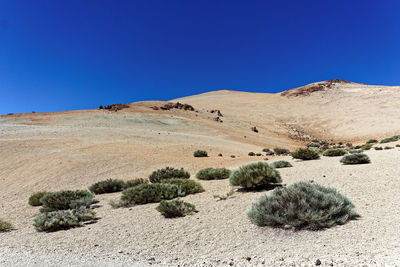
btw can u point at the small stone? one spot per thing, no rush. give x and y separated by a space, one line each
231 263
317 262
248 258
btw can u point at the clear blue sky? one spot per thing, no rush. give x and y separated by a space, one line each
79 54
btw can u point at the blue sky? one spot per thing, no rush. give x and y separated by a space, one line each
64 55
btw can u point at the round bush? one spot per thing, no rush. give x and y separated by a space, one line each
107 186
357 158
168 173
5 226
302 205
335 152
372 141
266 150
213 174
281 164
34 200
281 151
305 154
354 151
255 175
200 153
135 182
175 208
186 186
378 148
148 193
62 200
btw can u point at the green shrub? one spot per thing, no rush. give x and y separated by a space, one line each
185 185
313 145
281 151
281 164
335 152
135 182
390 139
397 145
355 151
305 154
62 219
358 147
175 208
149 193
302 205
378 148
200 153
266 150
357 158
366 146
107 186
62 200
168 173
251 154
258 154
213 174
5 226
388 147
372 141
34 200
233 156
255 175
350 145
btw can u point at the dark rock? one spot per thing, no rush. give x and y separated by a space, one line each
317 262
254 129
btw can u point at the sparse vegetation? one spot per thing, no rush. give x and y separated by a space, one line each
313 145
366 146
305 154
372 141
213 174
335 152
281 164
135 182
281 151
149 193
357 158
378 148
168 173
5 226
355 151
34 200
302 205
266 150
349 145
390 139
107 186
200 153
388 147
255 175
175 208
186 186
63 219
62 200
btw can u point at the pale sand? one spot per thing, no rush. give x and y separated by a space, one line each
71 150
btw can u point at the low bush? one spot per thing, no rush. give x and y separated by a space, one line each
167 173
149 193
397 145
5 226
186 186
302 205
390 139
281 151
251 154
366 146
213 174
349 145
258 154
34 200
266 150
388 147
357 158
378 148
281 164
255 175
135 182
62 200
62 219
305 154
372 141
175 208
200 153
355 151
107 186
335 152
313 145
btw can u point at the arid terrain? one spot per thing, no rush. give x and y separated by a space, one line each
74 149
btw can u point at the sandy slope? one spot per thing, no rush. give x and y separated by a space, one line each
71 150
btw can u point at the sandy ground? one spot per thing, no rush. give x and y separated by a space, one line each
72 150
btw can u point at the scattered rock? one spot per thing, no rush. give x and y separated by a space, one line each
248 258
217 119
220 155
317 262
269 153
176 105
254 129
217 111
114 107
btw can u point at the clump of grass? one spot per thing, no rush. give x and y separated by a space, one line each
281 164
167 173
213 174
281 151
200 153
63 200
5 226
34 199
372 141
357 158
255 175
63 219
302 205
305 154
107 186
149 193
135 182
335 152
175 208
